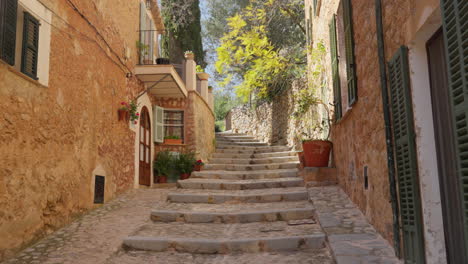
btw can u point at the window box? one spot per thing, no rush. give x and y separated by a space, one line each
168 141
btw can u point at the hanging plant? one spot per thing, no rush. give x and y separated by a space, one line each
131 109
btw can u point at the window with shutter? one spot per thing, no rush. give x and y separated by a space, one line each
30 46
8 16
158 115
311 40
349 44
405 157
455 24
335 69
315 7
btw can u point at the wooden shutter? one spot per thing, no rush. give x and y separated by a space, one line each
455 24
8 17
349 44
30 46
311 40
405 157
335 69
158 115
315 7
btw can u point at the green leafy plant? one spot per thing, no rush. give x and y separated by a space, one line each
142 48
184 163
309 99
132 108
199 162
172 137
199 69
163 163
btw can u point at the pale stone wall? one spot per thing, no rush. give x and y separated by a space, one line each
203 126
56 137
274 122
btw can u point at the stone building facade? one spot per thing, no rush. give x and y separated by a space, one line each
61 84
397 81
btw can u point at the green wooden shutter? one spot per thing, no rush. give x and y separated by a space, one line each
335 69
349 44
315 7
455 24
30 46
405 157
311 40
8 16
158 116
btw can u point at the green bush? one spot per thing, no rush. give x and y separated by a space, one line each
185 162
163 163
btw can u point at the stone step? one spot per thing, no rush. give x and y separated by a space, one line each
252 167
239 140
226 154
253 161
262 147
252 150
239 145
246 196
226 238
233 213
245 175
215 184
228 134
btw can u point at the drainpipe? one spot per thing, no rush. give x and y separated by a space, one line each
388 127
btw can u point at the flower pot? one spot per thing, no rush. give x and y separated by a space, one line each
148 62
197 167
316 153
189 56
163 61
162 179
123 114
184 176
173 141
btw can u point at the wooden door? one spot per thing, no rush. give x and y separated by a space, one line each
145 148
445 143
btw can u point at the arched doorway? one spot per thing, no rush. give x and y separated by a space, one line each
145 148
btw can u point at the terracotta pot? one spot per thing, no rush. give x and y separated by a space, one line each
316 153
184 176
122 114
173 141
197 167
162 179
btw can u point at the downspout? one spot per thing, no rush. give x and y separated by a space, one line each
388 127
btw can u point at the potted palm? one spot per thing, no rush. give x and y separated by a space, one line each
162 165
184 164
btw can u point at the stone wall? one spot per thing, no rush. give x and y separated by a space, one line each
274 122
55 138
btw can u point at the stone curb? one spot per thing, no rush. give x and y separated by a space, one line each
230 218
218 246
251 155
247 198
251 161
226 185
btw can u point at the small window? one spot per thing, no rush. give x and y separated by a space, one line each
174 123
99 185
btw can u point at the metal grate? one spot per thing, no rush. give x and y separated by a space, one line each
99 189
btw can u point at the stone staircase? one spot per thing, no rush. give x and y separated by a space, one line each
249 198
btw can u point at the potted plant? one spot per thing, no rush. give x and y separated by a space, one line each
163 61
142 50
184 164
172 140
198 165
162 165
189 55
123 111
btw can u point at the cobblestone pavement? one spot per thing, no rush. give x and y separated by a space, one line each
351 238
97 235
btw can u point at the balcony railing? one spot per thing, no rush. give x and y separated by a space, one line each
148 48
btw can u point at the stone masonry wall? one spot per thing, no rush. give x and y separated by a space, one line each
55 138
274 122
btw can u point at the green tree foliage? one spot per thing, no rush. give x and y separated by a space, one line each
183 29
264 46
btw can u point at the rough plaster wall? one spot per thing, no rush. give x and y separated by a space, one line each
54 137
204 121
